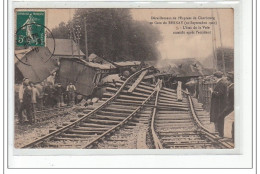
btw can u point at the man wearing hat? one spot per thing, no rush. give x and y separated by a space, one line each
59 95
25 94
230 95
218 102
230 99
35 95
41 88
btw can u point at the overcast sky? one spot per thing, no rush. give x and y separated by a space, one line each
174 46
187 46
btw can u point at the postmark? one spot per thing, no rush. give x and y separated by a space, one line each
26 44
30 28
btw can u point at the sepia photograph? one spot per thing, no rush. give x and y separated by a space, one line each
124 78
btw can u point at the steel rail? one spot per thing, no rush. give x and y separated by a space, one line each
63 129
204 130
100 138
155 139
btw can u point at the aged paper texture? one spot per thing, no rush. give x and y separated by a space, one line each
115 78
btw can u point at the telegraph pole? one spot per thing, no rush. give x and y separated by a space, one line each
222 49
70 35
86 38
215 67
71 41
77 35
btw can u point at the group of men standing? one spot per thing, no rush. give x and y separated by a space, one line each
34 97
222 101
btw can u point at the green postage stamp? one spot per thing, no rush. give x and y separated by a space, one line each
30 28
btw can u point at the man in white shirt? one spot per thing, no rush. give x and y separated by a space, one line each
35 95
51 79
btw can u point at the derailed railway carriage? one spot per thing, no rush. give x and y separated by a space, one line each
87 75
84 75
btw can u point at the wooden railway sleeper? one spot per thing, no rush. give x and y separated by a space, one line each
125 121
58 132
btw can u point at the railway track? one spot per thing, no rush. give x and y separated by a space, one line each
179 126
94 126
148 117
134 135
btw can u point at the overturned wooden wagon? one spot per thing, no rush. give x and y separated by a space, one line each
38 63
87 75
35 64
84 75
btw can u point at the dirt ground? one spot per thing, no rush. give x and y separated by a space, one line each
26 133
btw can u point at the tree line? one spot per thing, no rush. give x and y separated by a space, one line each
113 34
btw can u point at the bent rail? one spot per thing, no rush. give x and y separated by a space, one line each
203 129
156 141
63 129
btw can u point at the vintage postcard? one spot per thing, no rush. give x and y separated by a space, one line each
124 78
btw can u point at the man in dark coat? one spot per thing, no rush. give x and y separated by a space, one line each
71 89
59 95
50 99
230 99
25 94
230 96
218 103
